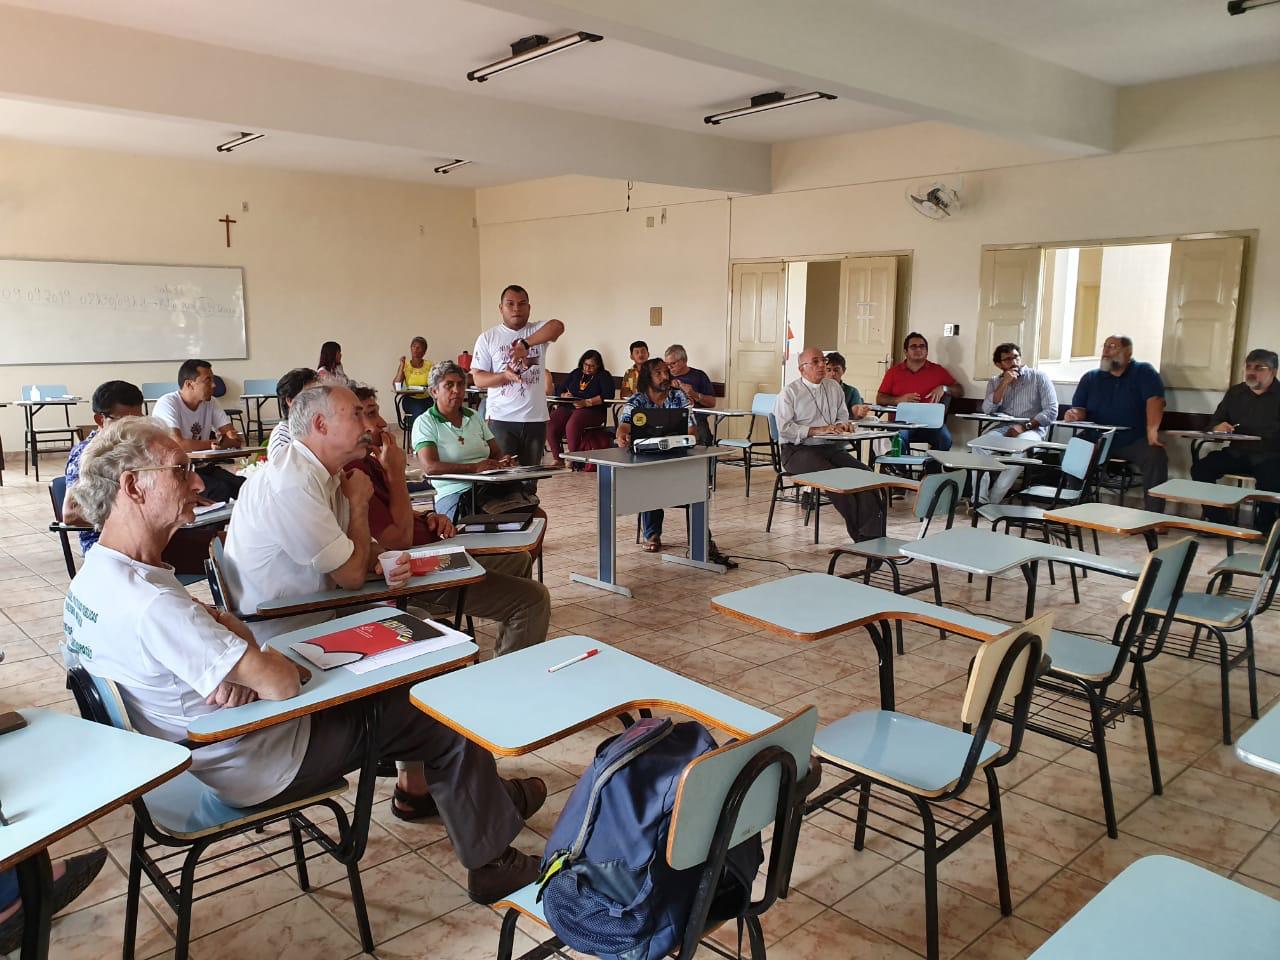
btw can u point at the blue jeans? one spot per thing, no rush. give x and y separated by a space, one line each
8 888
415 407
939 439
448 504
651 524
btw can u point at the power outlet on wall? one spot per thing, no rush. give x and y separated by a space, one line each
951 329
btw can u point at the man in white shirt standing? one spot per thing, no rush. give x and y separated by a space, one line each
813 407
198 423
510 362
127 619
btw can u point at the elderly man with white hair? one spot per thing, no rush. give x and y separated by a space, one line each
129 620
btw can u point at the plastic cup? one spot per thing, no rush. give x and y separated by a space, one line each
388 561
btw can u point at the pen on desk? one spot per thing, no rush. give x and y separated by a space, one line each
572 660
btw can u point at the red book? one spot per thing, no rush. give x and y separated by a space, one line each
353 644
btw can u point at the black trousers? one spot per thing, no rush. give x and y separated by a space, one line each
861 511
1152 463
219 484
525 441
1264 468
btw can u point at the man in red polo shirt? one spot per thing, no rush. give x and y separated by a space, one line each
917 379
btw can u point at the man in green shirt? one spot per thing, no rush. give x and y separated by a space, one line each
835 371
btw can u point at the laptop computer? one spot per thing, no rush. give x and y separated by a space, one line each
659 429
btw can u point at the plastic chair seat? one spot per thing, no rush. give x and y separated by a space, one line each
526 901
1080 656
1009 511
883 548
1246 564
186 808
735 444
1044 491
1211 609
902 460
917 755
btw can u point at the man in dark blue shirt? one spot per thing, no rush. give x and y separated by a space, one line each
1128 394
695 384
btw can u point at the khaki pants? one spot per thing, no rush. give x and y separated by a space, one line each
521 606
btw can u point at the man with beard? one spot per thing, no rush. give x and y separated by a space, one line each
1251 407
1129 394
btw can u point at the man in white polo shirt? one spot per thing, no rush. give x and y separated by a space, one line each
510 361
128 620
198 423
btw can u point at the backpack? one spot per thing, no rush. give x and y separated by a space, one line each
606 887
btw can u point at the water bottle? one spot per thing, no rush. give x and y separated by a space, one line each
895 448
35 393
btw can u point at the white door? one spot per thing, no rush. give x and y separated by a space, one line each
868 293
1010 283
1200 313
757 338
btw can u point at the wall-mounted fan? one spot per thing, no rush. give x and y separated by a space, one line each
937 201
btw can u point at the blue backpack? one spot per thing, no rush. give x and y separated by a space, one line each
606 887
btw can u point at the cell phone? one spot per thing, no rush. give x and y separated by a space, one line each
11 721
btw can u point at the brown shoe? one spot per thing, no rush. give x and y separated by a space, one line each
504 876
528 795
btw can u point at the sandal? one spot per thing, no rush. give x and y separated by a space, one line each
652 545
408 806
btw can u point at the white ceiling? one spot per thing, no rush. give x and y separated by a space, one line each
433 43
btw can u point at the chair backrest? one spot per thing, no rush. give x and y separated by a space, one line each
219 386
1168 579
99 699
762 404
265 387
47 390
218 585
1077 459
938 495
58 494
1270 567
929 415
156 390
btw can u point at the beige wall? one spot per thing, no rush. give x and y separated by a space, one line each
325 257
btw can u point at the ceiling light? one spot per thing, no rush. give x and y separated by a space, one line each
1237 7
446 167
527 49
239 141
766 101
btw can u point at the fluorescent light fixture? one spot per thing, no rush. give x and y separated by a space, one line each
239 141
1237 7
452 164
527 49
766 101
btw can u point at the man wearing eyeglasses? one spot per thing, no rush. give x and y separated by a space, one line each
1021 392
917 379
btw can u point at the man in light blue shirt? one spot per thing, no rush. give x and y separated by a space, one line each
1022 392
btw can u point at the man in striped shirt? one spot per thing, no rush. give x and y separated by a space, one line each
1021 392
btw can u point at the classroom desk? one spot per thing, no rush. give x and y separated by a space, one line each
1199 438
1127 521
628 483
1260 744
991 421
29 410
501 476
511 541
373 591
253 414
512 706
57 774
201 457
1221 495
851 480
999 443
1163 908
989 554
973 464
810 606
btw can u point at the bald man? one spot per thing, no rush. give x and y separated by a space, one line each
809 410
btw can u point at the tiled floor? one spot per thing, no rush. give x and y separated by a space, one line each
1215 810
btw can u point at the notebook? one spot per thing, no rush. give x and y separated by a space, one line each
495 523
377 644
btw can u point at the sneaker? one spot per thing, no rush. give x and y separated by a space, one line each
528 795
502 877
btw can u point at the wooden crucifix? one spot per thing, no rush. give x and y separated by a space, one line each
228 221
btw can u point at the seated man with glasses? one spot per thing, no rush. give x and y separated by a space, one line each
917 379
127 619
1021 392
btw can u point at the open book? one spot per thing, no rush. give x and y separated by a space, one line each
378 644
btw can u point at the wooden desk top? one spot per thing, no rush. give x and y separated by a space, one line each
852 480
1210 494
1111 518
986 553
511 541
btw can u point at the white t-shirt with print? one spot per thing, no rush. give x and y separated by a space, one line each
288 531
136 625
202 423
523 402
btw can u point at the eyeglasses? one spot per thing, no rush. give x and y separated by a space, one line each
917 346
1010 357
187 468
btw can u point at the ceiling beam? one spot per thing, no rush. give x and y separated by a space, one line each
68 60
866 51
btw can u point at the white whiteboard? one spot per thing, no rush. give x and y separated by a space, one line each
57 312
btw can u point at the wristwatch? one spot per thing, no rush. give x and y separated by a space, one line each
524 341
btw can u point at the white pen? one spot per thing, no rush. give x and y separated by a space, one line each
572 660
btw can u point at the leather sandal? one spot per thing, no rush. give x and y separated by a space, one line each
408 806
652 545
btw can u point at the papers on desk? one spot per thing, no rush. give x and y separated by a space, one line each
379 643
424 560
514 471
204 508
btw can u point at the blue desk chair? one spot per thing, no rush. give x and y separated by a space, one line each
1221 618
1074 703
807 497
937 497
182 819
33 437
761 406
924 768
235 414
724 798
929 416
151 392
58 494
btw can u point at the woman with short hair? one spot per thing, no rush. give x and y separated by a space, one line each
414 371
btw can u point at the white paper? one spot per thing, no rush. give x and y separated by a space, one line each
202 509
450 638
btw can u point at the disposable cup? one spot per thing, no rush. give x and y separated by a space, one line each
388 561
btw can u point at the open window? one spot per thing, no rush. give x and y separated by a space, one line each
1177 299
